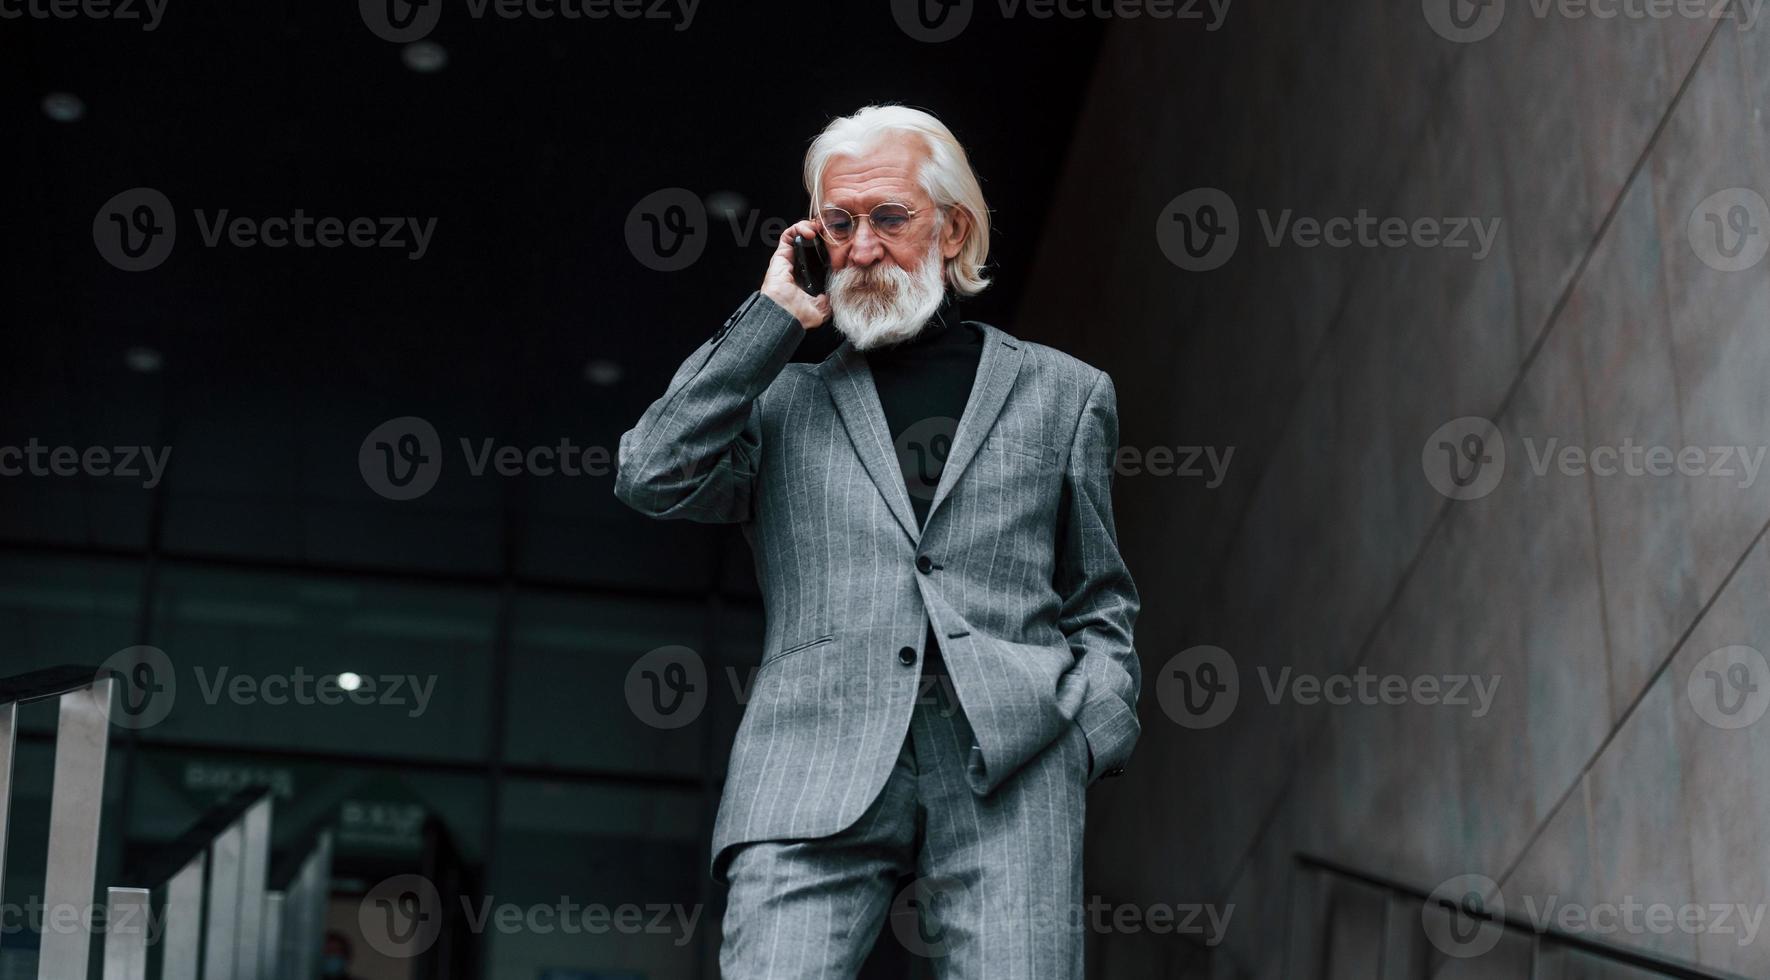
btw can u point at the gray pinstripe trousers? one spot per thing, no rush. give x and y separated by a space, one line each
997 881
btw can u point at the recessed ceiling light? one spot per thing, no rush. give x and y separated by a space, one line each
143 360
425 56
350 680
63 107
602 371
727 204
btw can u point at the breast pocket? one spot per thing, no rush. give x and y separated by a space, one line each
1009 462
797 648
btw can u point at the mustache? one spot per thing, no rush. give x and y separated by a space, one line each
873 278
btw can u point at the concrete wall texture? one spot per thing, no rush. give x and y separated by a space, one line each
1608 318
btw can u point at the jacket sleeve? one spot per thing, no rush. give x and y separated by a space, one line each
1100 602
696 451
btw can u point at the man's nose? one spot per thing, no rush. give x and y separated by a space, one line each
864 249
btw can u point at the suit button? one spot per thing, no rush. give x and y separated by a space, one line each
1115 771
924 564
906 656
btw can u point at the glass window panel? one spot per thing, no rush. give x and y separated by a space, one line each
251 654
568 692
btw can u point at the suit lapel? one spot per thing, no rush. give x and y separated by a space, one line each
851 385
996 371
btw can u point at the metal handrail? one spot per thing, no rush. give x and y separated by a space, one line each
208 889
76 799
295 908
1621 955
207 899
40 685
210 899
158 868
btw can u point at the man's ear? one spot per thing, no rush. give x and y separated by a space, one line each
954 231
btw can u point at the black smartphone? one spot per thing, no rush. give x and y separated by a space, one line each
811 263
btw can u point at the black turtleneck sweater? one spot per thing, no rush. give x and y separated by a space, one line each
924 384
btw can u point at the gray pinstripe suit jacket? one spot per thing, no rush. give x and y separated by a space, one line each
1024 585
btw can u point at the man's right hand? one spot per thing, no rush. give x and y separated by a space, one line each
778 284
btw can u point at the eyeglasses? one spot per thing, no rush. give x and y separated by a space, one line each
889 222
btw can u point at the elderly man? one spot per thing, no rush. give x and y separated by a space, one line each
947 662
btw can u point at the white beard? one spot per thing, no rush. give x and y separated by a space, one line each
885 304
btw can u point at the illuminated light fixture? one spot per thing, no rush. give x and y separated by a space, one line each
602 372
144 360
727 204
425 56
63 107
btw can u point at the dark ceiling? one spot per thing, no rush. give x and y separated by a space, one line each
529 149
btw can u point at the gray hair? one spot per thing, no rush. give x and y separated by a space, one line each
945 175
